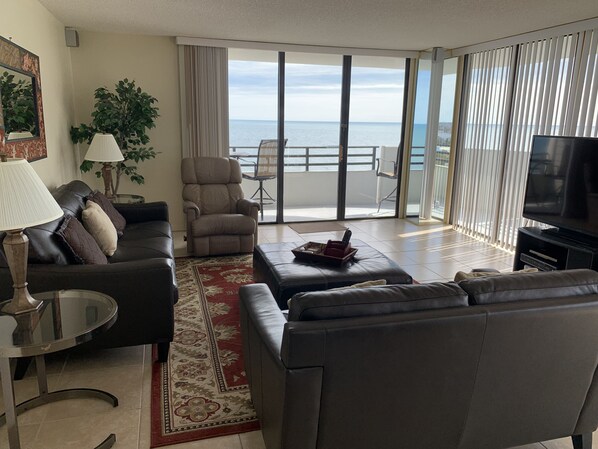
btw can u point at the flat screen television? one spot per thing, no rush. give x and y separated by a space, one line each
562 184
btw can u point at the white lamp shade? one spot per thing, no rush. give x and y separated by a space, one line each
104 148
24 199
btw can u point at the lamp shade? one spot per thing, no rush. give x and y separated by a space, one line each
104 148
24 199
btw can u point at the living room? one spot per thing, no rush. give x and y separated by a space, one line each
429 248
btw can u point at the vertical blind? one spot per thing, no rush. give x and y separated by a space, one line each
541 87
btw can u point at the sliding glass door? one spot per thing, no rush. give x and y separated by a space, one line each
375 130
309 175
253 112
312 123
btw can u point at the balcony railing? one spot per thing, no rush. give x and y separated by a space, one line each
325 158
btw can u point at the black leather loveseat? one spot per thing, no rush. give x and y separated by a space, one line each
140 276
490 363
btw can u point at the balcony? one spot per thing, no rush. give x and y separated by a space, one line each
311 177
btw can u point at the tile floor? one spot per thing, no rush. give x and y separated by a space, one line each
429 252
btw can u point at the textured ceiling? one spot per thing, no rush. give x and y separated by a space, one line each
388 24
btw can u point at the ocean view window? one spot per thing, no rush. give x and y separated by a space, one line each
312 96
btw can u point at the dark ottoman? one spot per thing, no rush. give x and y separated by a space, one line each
275 265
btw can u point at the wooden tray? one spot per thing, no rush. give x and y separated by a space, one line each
314 252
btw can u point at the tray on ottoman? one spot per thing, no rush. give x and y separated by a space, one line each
314 252
275 265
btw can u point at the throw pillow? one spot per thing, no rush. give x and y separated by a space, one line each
100 227
365 284
80 245
115 216
461 275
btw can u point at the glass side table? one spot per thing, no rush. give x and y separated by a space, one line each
127 198
65 319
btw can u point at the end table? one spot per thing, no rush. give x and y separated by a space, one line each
65 319
127 198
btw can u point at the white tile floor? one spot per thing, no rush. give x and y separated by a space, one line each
428 252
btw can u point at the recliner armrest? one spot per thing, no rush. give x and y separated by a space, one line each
191 210
248 207
139 213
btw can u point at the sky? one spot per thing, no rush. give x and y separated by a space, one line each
313 93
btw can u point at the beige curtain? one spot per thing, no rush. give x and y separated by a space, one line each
205 101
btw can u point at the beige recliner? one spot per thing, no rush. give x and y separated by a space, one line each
219 219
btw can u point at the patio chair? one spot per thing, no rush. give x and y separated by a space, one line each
384 169
264 169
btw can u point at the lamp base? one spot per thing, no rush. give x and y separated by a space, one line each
16 248
22 302
107 176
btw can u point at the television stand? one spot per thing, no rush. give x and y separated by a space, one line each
549 251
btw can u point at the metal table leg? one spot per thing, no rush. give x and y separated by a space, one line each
44 397
10 416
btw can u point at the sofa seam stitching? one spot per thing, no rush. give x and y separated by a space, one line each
475 380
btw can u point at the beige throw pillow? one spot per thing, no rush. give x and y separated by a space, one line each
98 224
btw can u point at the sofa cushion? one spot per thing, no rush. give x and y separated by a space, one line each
147 229
223 224
99 225
148 248
376 283
397 298
81 245
529 286
71 197
115 216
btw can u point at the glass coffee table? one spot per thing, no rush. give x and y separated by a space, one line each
65 319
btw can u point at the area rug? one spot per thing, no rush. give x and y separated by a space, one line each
324 226
202 391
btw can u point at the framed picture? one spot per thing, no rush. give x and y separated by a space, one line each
22 130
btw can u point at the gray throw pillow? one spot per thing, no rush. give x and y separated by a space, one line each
115 216
80 244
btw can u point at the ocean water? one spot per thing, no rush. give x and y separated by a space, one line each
322 139
248 133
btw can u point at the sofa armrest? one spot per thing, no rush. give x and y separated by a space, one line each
259 308
138 213
248 207
120 279
144 290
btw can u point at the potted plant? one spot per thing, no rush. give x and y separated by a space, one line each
18 103
127 113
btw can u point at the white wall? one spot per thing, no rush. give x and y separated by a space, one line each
31 26
102 60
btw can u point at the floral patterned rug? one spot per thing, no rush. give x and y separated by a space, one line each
202 391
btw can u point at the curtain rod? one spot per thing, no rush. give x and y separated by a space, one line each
224 43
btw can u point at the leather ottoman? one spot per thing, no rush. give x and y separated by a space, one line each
275 265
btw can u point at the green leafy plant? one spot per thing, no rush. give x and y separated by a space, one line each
127 113
18 104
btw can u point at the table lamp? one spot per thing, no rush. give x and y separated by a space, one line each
104 149
24 202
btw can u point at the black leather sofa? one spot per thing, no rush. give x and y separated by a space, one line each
140 276
490 363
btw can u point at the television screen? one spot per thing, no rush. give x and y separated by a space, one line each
562 183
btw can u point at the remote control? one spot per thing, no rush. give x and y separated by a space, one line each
347 236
